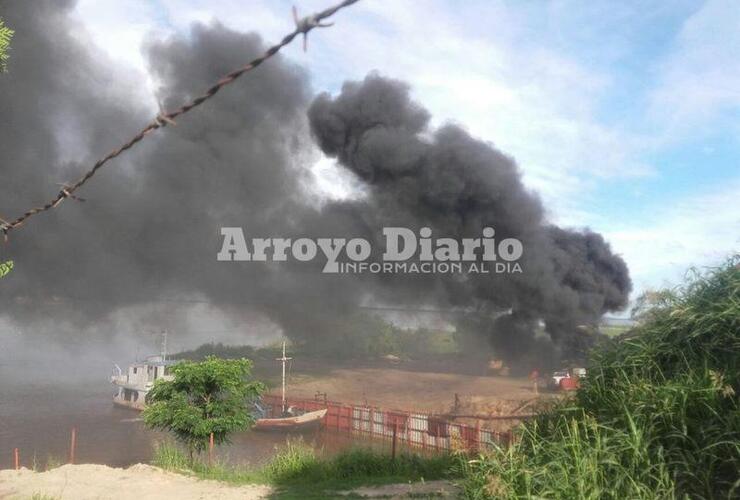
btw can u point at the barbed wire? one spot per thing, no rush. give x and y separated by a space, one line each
302 27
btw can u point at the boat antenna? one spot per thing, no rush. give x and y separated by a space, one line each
283 360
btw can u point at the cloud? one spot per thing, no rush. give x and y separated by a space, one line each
700 80
663 244
118 29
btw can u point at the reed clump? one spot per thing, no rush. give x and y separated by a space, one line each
658 415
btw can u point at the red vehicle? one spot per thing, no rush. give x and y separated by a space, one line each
567 380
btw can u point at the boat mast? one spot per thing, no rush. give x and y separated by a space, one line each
283 359
164 345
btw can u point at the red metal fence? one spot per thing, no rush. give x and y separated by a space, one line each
423 430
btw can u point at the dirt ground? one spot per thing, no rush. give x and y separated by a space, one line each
100 482
396 388
429 489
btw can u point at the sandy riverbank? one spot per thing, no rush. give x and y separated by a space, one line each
144 482
100 482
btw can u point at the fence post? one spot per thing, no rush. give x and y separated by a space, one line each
210 450
17 459
406 425
477 435
73 445
395 435
424 434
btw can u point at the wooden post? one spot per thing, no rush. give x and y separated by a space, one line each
72 445
477 435
210 450
424 434
395 434
17 460
408 431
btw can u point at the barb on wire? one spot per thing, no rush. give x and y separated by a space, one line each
306 24
64 190
5 227
302 27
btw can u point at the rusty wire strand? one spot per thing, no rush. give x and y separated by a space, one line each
302 27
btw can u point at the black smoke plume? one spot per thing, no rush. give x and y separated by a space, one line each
150 228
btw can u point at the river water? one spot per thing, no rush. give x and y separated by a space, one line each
38 418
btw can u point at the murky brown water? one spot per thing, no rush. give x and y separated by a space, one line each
38 419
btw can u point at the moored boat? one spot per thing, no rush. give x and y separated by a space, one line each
290 419
302 422
133 386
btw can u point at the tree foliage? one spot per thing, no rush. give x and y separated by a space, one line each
6 34
211 396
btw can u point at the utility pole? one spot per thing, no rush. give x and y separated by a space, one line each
283 359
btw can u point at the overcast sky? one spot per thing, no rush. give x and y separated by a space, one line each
623 116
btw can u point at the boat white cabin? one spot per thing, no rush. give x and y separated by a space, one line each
134 384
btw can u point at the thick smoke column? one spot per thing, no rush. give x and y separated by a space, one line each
448 180
151 226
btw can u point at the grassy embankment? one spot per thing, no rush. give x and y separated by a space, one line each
298 471
657 417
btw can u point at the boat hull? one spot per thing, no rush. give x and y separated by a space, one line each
131 405
287 424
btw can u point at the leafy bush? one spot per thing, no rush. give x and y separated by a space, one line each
210 397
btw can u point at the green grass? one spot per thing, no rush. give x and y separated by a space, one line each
52 462
43 496
299 471
657 417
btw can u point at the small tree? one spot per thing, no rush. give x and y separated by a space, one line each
212 396
5 35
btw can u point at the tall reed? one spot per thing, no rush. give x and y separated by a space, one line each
657 417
